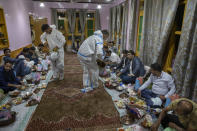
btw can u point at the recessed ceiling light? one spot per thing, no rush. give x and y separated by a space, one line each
42 4
108 0
99 6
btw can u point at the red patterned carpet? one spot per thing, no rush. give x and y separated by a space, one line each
64 108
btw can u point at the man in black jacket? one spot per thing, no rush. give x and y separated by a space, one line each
124 61
133 70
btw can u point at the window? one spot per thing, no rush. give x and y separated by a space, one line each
90 24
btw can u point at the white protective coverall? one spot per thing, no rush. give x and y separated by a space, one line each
90 50
56 39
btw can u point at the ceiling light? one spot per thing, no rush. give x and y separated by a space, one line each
42 4
99 7
108 0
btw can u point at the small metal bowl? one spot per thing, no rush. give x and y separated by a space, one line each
119 88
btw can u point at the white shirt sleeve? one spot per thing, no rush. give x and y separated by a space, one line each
119 60
146 84
43 38
171 85
61 39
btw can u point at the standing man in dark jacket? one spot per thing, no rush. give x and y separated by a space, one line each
133 70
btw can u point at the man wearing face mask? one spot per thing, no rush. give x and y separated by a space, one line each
89 53
8 80
163 85
55 40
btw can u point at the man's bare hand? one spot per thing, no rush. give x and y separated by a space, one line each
139 93
162 97
55 49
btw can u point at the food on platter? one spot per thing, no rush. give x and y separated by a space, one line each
32 102
43 77
107 79
124 95
114 84
119 88
138 102
127 120
17 100
37 90
31 85
27 95
147 122
132 92
44 85
14 93
44 73
5 106
133 100
23 88
141 103
37 82
121 103
126 129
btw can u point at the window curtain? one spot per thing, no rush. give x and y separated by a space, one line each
110 24
123 42
158 19
54 18
184 69
132 29
97 20
71 20
113 23
118 17
82 18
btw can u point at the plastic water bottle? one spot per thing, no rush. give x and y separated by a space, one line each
122 85
113 76
84 90
137 84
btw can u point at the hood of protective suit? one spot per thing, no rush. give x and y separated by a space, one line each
98 33
53 26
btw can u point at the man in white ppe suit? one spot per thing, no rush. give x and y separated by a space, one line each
89 52
55 41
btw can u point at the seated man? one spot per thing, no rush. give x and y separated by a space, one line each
19 65
185 118
8 80
113 59
25 53
32 55
39 51
124 61
112 47
105 49
163 85
133 70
